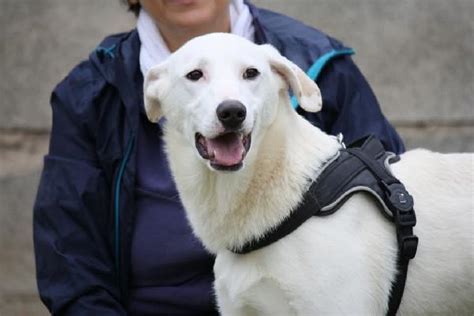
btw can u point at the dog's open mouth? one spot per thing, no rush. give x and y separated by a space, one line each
226 151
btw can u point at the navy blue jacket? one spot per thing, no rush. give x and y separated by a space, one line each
84 210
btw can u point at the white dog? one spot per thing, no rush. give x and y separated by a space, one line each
242 158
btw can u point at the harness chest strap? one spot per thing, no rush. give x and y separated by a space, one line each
363 166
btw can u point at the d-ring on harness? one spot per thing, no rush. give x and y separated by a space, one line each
363 166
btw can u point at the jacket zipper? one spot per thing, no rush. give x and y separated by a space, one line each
118 185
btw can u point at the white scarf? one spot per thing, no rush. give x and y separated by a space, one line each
153 49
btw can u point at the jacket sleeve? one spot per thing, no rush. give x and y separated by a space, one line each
74 264
350 107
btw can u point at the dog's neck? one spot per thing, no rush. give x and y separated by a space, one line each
226 210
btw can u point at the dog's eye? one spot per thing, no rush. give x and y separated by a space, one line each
251 73
194 75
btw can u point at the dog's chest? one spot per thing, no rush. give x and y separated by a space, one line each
252 286
302 272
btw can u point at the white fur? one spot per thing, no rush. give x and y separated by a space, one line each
342 264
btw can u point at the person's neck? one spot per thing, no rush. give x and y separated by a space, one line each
175 36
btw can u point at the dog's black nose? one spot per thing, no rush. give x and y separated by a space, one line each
231 113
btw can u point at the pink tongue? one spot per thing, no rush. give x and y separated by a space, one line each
228 149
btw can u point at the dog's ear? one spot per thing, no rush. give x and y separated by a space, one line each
305 89
153 88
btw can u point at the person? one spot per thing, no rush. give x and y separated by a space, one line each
110 233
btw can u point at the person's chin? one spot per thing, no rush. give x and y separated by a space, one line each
183 4
191 18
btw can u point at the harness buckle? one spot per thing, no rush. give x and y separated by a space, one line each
405 219
408 246
401 204
398 196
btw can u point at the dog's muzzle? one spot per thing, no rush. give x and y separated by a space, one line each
224 152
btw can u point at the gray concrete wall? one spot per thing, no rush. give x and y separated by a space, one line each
418 56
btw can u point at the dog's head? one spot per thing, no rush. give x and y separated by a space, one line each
219 91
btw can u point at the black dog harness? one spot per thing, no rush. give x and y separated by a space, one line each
363 166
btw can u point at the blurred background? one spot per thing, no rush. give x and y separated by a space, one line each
418 56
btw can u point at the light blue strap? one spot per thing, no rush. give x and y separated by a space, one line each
315 69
